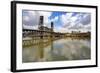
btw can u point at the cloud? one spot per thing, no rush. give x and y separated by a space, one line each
63 30
30 27
67 22
26 18
54 19
86 19
46 16
31 18
78 21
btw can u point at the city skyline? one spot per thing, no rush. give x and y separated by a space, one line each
63 21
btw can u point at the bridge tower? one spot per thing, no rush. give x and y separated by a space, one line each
40 26
52 26
41 22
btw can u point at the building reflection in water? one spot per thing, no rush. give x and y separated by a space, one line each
57 50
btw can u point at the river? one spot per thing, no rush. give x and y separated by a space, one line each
59 50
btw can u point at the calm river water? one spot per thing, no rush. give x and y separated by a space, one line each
58 50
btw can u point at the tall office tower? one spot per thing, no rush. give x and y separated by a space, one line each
41 22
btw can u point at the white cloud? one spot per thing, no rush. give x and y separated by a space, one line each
33 13
76 22
74 18
26 18
69 15
32 18
65 20
30 27
44 13
63 30
54 19
46 16
69 22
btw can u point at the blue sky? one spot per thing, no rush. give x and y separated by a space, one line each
63 21
58 22
54 14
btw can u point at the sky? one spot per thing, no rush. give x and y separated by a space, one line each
63 21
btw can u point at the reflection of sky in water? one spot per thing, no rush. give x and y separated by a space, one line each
59 50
